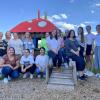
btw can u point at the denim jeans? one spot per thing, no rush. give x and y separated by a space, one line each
7 71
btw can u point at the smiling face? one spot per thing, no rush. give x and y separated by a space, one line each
42 51
54 33
26 52
8 35
10 51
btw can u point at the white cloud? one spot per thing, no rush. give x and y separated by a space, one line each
89 22
92 11
64 16
68 26
97 5
82 25
57 17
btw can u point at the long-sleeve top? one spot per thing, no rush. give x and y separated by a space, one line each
69 44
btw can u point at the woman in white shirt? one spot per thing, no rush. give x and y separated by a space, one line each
17 44
27 64
97 48
41 61
53 48
89 46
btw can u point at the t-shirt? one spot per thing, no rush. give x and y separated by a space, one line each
28 44
53 43
26 61
17 45
89 38
97 40
42 60
13 62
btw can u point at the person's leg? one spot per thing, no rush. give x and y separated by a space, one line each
6 71
32 69
14 74
80 65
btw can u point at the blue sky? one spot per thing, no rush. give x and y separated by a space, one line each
65 14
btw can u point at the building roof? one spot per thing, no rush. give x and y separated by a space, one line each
35 25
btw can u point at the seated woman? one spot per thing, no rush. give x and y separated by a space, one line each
27 64
10 65
72 51
41 62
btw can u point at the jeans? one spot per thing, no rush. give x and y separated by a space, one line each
7 71
55 58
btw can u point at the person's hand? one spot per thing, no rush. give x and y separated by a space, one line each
77 53
24 70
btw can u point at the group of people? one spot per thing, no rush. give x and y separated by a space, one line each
17 55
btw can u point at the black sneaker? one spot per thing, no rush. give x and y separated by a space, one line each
85 76
82 78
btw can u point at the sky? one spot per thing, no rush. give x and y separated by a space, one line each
65 14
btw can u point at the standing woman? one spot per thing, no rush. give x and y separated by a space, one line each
10 65
97 48
17 44
53 48
72 51
28 42
3 45
81 40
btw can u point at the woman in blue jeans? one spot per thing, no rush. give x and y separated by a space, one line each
10 65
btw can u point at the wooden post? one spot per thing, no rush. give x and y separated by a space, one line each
74 72
47 74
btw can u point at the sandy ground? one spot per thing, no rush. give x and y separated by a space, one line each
36 89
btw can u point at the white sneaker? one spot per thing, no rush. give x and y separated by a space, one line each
31 76
9 78
66 65
5 80
25 75
39 76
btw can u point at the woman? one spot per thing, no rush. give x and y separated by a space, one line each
53 48
72 51
28 42
97 49
17 44
10 65
81 40
27 64
41 62
3 45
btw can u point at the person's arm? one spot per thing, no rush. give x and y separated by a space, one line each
17 65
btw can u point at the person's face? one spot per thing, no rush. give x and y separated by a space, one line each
72 34
47 34
27 35
98 29
15 36
88 28
11 51
79 31
8 35
1 35
26 53
42 52
54 33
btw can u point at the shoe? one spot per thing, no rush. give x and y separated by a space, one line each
9 78
39 76
85 76
82 78
25 75
5 80
31 76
